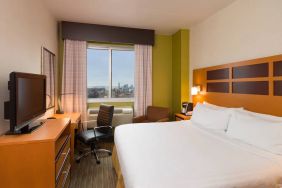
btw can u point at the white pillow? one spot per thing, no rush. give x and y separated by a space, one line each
216 107
256 131
210 118
264 116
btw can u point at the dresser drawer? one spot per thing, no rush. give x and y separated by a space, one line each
68 179
64 178
63 158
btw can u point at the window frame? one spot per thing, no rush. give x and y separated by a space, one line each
110 48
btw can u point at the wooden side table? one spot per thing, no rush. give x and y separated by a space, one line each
75 124
181 117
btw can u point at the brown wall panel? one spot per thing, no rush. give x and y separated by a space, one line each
104 33
218 74
277 68
277 88
250 71
256 87
265 102
219 87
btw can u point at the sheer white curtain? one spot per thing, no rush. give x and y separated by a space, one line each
74 97
143 79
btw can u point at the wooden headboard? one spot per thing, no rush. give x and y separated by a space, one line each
254 84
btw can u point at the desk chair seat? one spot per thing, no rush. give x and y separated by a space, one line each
88 136
103 132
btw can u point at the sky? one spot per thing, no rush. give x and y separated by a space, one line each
98 67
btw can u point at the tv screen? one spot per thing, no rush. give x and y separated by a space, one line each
27 98
30 98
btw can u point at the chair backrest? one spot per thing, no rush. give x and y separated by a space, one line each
105 115
155 113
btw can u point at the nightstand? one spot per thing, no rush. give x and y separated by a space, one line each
181 117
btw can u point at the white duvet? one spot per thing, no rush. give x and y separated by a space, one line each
180 154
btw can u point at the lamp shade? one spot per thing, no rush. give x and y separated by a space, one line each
195 90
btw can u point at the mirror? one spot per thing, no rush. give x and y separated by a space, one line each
48 69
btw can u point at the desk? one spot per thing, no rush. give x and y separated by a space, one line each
75 124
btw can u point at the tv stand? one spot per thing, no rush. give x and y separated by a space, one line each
39 159
25 130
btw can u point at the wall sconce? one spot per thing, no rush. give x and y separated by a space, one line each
195 90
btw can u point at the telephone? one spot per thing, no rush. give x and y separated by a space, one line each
186 107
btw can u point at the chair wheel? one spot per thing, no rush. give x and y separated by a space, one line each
98 162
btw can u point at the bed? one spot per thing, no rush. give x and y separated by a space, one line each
185 155
223 148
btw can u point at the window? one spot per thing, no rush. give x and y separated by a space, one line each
110 74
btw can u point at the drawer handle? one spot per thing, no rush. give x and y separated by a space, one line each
66 176
60 170
65 172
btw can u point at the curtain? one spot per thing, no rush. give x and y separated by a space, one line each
73 96
143 79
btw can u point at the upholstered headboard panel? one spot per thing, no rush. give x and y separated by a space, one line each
254 84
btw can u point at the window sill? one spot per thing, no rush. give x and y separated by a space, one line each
110 100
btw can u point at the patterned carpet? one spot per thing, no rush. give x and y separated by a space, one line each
87 174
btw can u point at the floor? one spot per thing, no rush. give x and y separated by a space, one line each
87 174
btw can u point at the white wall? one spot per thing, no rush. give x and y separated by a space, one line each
25 26
246 29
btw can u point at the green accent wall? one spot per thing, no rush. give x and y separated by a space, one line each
162 75
180 69
176 69
185 93
60 62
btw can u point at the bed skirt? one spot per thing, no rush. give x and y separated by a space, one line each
120 183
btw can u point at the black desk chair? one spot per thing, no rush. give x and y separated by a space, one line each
103 132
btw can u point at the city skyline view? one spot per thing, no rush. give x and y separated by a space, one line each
122 67
98 73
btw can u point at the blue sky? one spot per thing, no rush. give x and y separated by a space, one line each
98 67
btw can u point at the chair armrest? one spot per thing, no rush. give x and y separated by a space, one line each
139 119
163 120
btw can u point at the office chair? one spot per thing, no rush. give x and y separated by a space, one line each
103 132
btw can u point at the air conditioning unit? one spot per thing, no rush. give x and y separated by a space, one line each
122 115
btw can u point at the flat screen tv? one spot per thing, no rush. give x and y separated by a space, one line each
27 100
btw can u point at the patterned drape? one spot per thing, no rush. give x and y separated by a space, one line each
143 79
73 96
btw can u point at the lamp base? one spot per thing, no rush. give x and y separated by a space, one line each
59 112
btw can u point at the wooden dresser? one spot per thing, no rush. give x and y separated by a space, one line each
39 159
75 125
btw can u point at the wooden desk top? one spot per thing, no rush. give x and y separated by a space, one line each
75 117
49 131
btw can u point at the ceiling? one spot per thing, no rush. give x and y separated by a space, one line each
164 16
